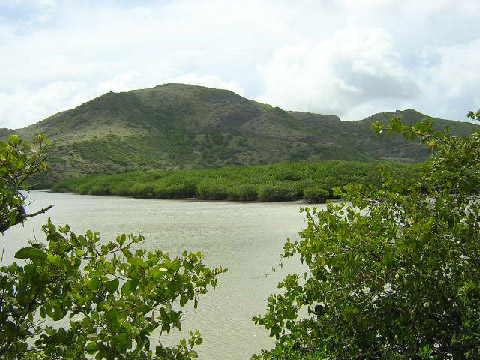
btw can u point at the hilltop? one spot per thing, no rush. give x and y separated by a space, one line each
177 126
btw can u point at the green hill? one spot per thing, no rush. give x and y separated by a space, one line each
176 126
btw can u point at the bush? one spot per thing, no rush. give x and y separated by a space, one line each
212 190
281 192
142 190
99 189
180 190
244 192
393 273
76 297
315 195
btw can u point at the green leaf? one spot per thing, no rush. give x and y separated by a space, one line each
122 342
91 348
128 287
30 253
112 285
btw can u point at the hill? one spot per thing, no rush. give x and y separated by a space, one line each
177 126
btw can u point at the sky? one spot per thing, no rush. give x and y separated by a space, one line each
352 58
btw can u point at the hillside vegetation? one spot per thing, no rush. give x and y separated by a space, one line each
176 126
280 182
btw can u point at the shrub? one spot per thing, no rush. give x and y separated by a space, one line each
393 273
77 297
277 193
315 194
244 192
212 190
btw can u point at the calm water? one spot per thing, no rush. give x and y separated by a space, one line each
247 238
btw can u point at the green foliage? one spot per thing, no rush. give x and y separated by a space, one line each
277 192
244 192
214 190
280 182
393 272
111 295
77 297
474 115
18 161
315 194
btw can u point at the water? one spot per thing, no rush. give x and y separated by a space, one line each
247 238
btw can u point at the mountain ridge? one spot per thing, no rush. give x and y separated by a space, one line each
178 126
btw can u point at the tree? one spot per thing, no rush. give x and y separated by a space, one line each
393 273
77 297
18 162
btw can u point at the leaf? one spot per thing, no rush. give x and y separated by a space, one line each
122 342
93 284
128 287
91 348
112 285
30 253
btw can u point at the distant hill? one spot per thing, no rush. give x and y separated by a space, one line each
177 126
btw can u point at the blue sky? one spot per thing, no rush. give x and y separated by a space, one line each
352 58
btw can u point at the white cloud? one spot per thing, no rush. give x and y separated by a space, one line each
210 80
120 82
457 72
339 74
450 80
345 57
23 104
